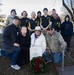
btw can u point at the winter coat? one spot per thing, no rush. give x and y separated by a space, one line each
9 37
55 43
40 41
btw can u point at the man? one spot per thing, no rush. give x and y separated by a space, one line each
45 20
56 21
10 18
32 23
38 39
55 45
10 46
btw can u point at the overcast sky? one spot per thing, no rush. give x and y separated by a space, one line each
30 5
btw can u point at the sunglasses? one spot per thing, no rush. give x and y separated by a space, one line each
50 29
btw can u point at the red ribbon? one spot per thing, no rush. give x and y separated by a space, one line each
38 62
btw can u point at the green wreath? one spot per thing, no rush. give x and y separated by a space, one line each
37 65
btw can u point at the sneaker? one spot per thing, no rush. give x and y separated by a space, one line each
0 53
48 61
16 67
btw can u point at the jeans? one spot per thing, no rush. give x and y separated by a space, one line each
13 56
57 57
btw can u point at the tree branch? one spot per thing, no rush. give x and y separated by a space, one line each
68 10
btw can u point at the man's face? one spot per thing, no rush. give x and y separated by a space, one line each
24 30
16 22
51 31
53 11
55 16
45 12
37 32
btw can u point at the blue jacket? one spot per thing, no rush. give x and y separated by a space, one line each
67 28
9 37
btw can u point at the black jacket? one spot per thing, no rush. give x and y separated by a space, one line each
24 42
67 28
56 23
10 37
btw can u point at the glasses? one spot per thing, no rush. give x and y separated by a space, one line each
50 29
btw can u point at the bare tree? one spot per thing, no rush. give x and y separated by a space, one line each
71 11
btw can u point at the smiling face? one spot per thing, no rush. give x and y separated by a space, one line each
51 31
45 12
23 30
37 32
53 11
16 22
24 14
13 13
33 14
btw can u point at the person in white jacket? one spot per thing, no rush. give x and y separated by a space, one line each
38 39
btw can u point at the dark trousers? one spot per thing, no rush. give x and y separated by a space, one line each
23 57
68 41
13 56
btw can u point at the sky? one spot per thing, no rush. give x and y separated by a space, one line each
30 5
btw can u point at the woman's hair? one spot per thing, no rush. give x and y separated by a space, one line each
25 12
13 10
23 27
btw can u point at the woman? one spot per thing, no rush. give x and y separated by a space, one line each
11 17
24 41
24 19
38 40
67 31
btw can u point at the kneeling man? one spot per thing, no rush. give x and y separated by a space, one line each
55 45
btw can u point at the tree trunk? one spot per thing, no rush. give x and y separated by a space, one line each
70 12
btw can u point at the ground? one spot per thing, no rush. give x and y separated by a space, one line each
5 68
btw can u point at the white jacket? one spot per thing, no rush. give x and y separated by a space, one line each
40 41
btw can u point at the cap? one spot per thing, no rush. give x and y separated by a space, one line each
39 12
16 17
50 27
37 28
45 9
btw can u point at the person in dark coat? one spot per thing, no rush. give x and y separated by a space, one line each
24 40
67 31
11 48
56 22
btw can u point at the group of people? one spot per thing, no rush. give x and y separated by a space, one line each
47 32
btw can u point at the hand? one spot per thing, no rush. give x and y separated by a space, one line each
16 44
44 29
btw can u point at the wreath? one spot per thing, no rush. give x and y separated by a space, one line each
37 65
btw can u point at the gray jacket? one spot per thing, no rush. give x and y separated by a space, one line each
55 42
